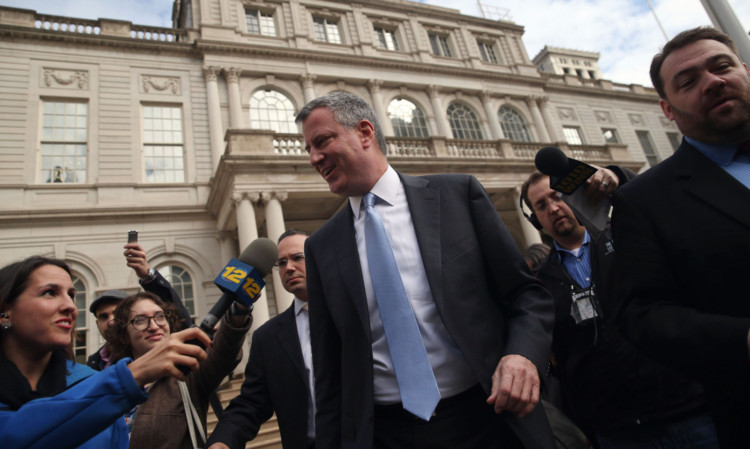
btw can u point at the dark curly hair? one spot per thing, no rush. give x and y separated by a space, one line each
117 335
14 279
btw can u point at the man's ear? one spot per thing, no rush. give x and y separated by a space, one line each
666 108
366 133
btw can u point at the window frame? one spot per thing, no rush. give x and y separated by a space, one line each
513 127
616 136
568 136
491 57
62 143
163 145
652 156
382 44
475 118
440 44
260 14
328 22
421 128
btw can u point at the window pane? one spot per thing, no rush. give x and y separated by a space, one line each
407 119
572 135
162 144
64 134
79 344
513 124
648 147
464 123
610 135
270 109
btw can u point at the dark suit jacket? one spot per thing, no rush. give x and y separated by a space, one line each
682 232
275 381
488 301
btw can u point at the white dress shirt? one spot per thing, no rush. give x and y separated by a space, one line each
451 369
302 317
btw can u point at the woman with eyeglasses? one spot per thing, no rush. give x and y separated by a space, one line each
47 400
165 420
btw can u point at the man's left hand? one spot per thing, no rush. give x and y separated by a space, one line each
515 385
600 185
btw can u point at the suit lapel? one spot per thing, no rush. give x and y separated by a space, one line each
289 341
710 183
424 206
347 259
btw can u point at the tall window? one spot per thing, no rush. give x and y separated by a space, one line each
326 30
64 137
162 144
674 140
464 123
610 135
513 124
572 135
487 52
648 147
407 119
440 45
270 109
259 22
79 345
182 284
385 39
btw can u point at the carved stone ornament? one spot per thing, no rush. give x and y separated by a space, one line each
69 79
567 113
160 84
603 116
636 119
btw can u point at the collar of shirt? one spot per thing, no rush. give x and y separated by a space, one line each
721 154
298 304
586 240
386 189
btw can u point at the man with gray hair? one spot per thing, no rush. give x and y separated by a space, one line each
424 319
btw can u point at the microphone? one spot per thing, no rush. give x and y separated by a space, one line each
242 280
567 175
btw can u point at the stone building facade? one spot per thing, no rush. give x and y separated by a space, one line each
187 134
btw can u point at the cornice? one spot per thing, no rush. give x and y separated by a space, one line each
308 55
60 216
651 98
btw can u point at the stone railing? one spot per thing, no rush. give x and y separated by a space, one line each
266 143
101 27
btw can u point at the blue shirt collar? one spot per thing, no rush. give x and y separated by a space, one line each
721 154
586 240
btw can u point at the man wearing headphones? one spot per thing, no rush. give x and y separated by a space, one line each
614 393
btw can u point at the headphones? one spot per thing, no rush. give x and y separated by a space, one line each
532 218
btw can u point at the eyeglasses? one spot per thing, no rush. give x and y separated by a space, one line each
296 258
543 204
141 322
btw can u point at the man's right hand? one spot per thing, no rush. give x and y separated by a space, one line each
164 358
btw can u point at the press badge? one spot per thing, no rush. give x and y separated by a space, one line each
584 306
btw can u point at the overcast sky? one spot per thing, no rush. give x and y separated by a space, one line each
624 32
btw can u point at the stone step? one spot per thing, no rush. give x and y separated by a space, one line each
268 436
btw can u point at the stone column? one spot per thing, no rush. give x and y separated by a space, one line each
444 128
530 233
215 129
235 101
377 104
495 129
247 229
308 86
541 128
544 106
275 227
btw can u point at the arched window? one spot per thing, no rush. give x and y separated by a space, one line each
270 109
513 124
182 283
407 119
81 336
464 123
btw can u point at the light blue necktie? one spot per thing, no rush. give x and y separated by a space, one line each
416 382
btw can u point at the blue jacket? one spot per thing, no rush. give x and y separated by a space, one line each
87 415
